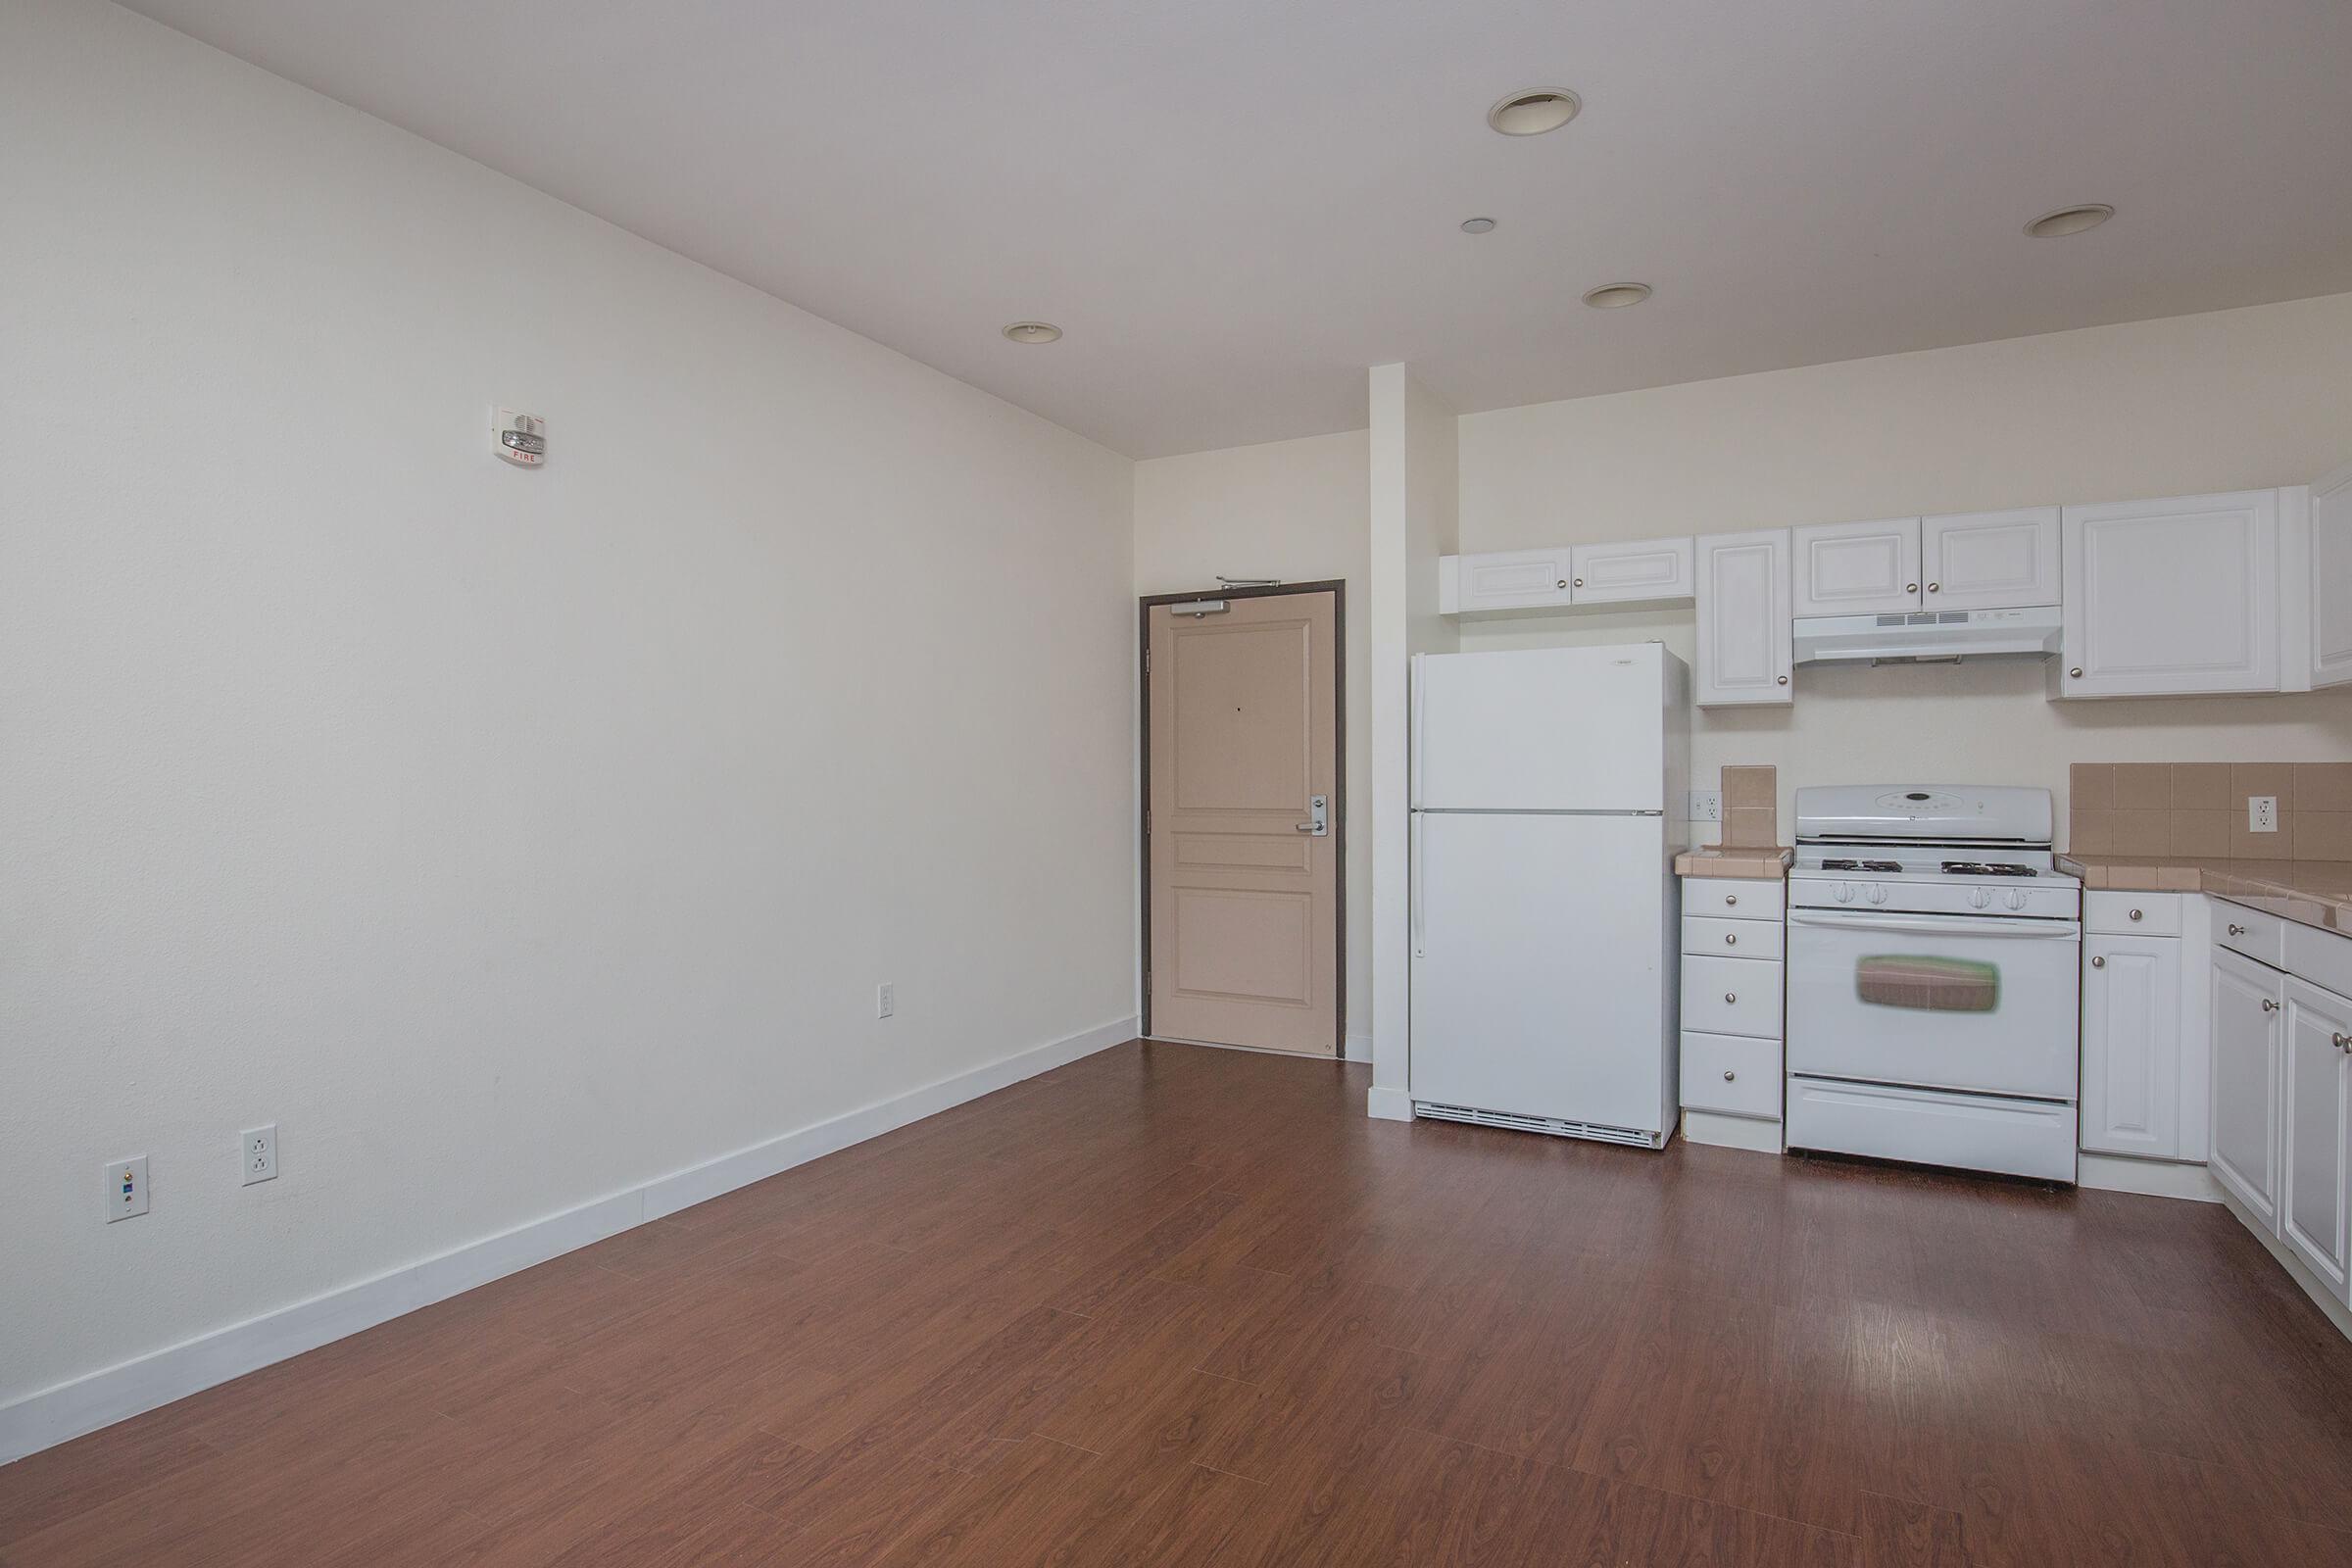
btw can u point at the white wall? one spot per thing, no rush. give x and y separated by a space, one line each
509 837
1292 510
2235 398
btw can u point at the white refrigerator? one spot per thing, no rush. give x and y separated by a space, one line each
1547 792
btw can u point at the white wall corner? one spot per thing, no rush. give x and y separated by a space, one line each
1358 1047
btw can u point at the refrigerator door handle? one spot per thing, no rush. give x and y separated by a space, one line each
1414 874
1415 722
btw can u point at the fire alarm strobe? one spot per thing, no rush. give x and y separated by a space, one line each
519 438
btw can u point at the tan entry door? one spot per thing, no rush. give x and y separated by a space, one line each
1245 892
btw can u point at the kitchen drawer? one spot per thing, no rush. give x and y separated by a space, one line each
1736 1076
1731 997
2133 914
1732 898
2319 956
2259 936
1731 939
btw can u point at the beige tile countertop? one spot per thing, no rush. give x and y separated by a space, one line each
2316 893
1757 863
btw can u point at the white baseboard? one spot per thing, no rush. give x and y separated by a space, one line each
2337 1313
1389 1104
100 1398
1358 1047
1732 1132
2150 1178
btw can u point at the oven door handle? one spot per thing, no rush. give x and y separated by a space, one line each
1940 925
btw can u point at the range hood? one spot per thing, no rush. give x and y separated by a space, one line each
1928 634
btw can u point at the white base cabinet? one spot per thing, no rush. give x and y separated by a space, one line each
2316 1121
2145 1056
2246 1003
1733 982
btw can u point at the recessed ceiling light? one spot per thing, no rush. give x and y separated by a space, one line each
2070 221
1534 112
1033 331
1616 296
1478 225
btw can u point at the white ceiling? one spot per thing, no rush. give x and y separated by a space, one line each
1235 206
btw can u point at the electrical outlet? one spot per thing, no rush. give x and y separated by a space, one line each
126 1188
886 999
258 1152
2262 813
1706 805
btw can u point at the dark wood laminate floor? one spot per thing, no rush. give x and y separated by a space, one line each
1177 1306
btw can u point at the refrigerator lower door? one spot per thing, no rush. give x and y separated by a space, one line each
1538 982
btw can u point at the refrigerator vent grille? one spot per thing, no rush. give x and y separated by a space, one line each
1536 1124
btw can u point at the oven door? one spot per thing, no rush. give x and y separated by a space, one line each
1939 1001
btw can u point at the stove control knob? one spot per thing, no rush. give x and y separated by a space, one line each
1979 898
1846 893
2015 898
1877 893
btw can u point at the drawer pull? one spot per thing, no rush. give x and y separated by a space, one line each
1728 1075
2237 930
1731 940
2098 963
1731 996
1730 899
2076 672
2135 914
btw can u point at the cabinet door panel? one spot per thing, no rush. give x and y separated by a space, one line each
2246 1083
2132 1046
2170 597
1991 560
2331 579
1857 568
1746 650
1646 568
2312 1196
1511 580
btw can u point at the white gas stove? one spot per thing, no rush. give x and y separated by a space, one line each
1934 980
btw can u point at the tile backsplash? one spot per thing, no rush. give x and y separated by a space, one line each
1752 807
2199 809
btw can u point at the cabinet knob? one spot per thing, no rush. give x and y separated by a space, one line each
1935 587
2342 1041
1562 583
2135 914
1579 583
1733 995
1783 681
1730 899
1910 587
2268 1006
2237 930
1728 1075
2098 963
1730 941
2076 672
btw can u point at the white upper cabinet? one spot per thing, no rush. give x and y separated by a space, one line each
1990 559
1745 648
1646 568
1857 568
2170 597
1504 579
2330 515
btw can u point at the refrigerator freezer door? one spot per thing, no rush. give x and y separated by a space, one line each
1538 984
1550 729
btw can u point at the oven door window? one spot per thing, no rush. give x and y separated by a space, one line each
1926 983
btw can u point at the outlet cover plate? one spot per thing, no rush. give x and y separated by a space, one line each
126 1188
1706 805
258 1153
2262 813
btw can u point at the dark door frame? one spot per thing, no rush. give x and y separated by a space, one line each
1336 587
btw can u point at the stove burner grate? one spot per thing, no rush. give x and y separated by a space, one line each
1986 868
1861 865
